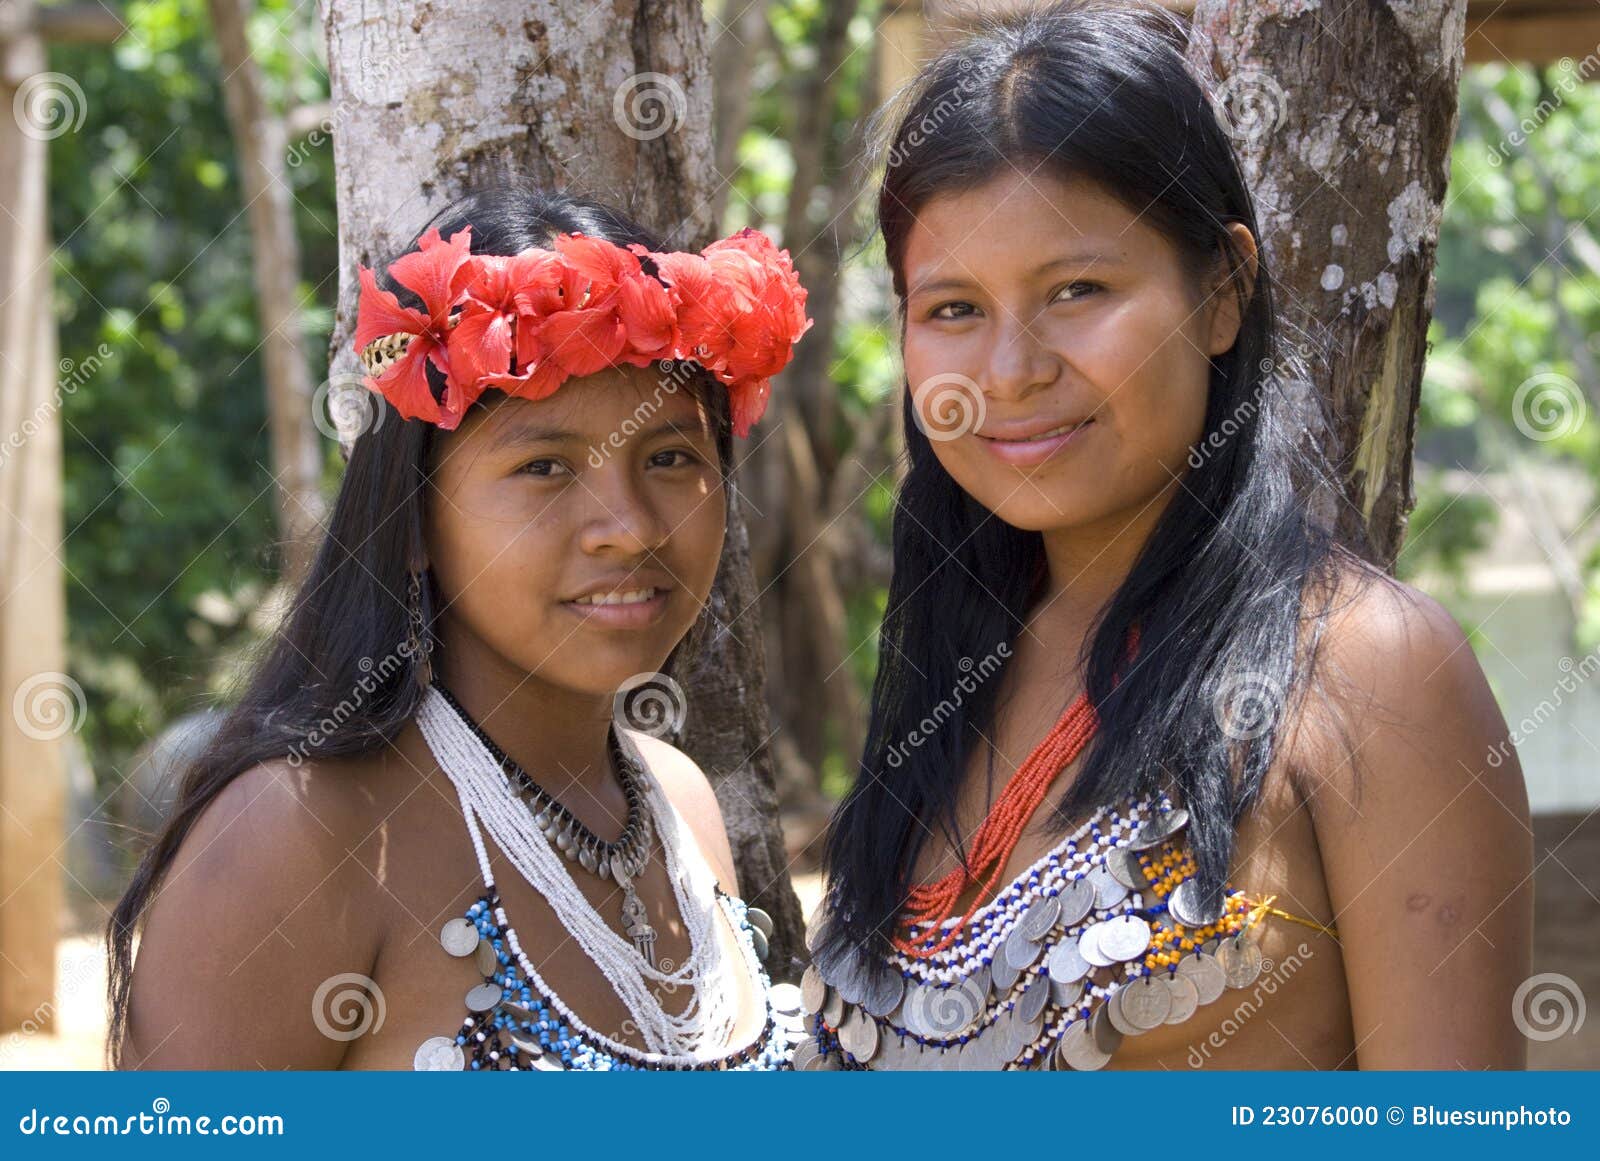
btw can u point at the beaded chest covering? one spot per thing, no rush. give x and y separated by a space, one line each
515 1022
1100 939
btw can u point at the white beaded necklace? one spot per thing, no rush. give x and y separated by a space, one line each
708 1020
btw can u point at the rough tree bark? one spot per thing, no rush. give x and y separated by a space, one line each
1344 115
612 101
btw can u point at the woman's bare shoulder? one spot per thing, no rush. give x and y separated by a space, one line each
263 905
689 790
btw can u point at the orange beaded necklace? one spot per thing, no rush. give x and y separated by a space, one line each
997 837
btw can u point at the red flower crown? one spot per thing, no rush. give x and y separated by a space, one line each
527 322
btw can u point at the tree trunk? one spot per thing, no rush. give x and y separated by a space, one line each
427 102
1344 115
261 144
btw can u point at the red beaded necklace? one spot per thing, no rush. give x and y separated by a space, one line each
996 839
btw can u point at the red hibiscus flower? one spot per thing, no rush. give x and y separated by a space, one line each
437 272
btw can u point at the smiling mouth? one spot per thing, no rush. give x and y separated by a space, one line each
628 597
1053 433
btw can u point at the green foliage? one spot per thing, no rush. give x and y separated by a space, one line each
168 506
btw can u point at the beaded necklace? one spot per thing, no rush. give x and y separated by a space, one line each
523 1009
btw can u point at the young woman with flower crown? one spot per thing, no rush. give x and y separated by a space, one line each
429 834
1205 790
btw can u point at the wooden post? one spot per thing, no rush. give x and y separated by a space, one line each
39 703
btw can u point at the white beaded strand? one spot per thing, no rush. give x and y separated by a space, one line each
485 792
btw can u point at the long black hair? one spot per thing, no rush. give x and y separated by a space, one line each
330 681
1218 592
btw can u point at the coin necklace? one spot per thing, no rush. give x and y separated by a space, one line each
486 792
623 860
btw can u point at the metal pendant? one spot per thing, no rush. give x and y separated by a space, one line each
1077 900
1089 946
1185 998
484 997
1160 828
636 922
884 992
813 991
439 1054
459 937
859 1035
1203 971
487 959
1123 863
1107 891
1020 948
1146 1004
1065 964
1240 959
1038 919
1124 937
1184 904
1031 1004
1062 994
1078 1049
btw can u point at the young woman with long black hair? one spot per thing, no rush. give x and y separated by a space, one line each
515 566
1158 775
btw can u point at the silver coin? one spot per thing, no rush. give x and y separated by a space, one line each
977 1055
1037 920
758 941
1064 993
1203 971
785 998
1020 949
911 1058
859 1035
1078 1050
1106 1036
1077 900
1123 863
813 991
850 978
439 1054
821 1062
1031 1004
1158 828
1001 974
1088 946
1240 960
459 937
951 1012
984 979
1107 891
484 997
527 1044
548 1062
1065 963
760 920
487 958
1146 1003
1124 937
803 1052
1116 1016
884 992
833 1009
1185 998
1184 903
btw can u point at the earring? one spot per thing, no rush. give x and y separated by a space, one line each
419 641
